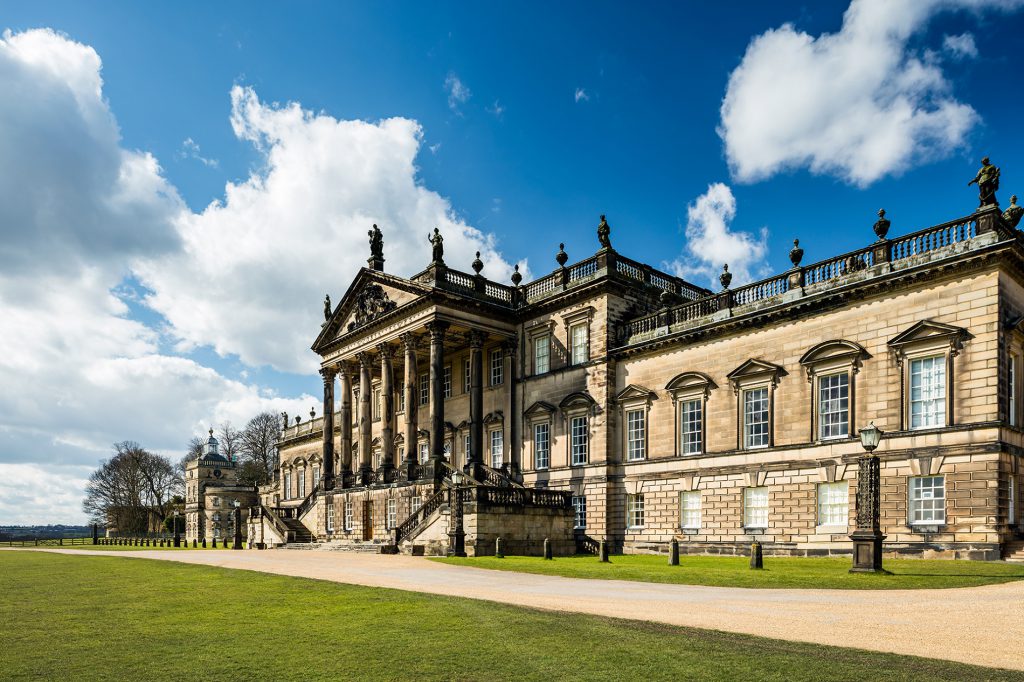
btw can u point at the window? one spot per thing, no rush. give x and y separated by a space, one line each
578 343
216 502
689 509
755 507
579 507
691 426
401 453
833 504
447 381
424 452
636 435
467 446
497 367
541 446
416 504
446 448
348 515
302 483
424 388
466 376
755 418
927 500
330 518
635 511
497 448
392 508
928 392
401 399
316 476
288 485
1011 392
377 404
834 406
1011 516
542 354
578 440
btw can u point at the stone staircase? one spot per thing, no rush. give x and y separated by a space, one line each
300 533
1014 552
353 547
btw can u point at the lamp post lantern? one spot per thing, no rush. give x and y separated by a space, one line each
177 535
867 538
238 525
457 544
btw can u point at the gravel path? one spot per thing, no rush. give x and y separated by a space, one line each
979 625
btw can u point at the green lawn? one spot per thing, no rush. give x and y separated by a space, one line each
109 618
795 572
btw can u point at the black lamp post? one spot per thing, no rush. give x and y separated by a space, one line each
457 545
238 525
177 535
867 539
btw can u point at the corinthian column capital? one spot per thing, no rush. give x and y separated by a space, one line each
437 329
476 338
386 350
410 341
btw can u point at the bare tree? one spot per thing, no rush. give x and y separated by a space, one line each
259 448
131 487
230 441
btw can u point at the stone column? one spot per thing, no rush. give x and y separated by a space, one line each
412 403
327 373
345 417
437 331
512 439
476 401
365 418
387 398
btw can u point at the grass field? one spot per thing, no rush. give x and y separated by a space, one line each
777 573
109 618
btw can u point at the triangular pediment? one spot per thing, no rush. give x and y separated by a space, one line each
539 408
929 330
754 367
634 392
372 296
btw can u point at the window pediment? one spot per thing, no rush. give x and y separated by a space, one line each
400 439
423 433
754 370
634 393
696 382
929 333
582 315
494 417
539 409
834 353
577 401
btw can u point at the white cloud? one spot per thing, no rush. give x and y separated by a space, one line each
458 93
858 104
253 269
498 109
961 46
191 150
710 243
36 493
581 95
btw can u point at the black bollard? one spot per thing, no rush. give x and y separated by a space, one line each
204 543
547 548
602 552
673 552
499 548
215 542
756 558
95 534
193 543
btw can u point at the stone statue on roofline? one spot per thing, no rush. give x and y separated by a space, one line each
376 242
987 180
327 307
437 242
1013 214
604 232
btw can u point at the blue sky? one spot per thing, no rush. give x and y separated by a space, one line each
514 126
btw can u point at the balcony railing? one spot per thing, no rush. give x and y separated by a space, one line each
703 308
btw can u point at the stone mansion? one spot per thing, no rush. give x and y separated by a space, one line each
608 400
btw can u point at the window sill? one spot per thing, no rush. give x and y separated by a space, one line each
634 528
831 530
689 531
927 528
755 530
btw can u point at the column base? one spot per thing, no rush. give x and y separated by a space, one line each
346 479
867 551
410 469
457 543
365 476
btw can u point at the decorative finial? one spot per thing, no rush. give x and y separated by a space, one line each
298 419
726 277
604 232
881 226
478 264
211 433
987 180
312 413
796 253
516 277
1013 213
561 256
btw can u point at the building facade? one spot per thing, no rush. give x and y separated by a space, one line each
211 493
609 401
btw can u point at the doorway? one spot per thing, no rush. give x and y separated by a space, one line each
368 520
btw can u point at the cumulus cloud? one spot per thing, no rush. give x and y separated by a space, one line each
581 95
961 46
858 104
458 93
711 243
254 268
